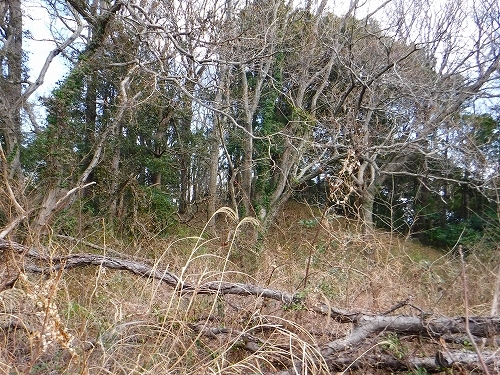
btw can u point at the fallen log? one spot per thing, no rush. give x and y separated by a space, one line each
143 270
338 354
462 363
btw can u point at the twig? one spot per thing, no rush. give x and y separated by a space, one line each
494 302
62 199
466 303
12 196
397 306
311 249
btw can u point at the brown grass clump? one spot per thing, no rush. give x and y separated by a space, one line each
118 323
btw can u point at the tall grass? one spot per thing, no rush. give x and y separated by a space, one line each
118 323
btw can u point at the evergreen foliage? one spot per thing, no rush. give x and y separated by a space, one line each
293 101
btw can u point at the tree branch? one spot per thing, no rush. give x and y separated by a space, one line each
338 354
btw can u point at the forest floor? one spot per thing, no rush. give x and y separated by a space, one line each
115 322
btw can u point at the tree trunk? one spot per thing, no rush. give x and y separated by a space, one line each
367 200
420 220
10 84
114 187
159 144
247 165
184 135
213 176
465 204
283 191
90 121
274 209
365 183
156 180
251 99
184 192
50 205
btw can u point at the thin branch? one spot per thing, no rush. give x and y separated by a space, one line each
494 302
466 306
41 76
5 174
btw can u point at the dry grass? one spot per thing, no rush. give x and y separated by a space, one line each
122 324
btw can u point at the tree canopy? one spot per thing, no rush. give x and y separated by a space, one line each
171 105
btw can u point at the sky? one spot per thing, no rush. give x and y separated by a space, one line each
39 46
37 22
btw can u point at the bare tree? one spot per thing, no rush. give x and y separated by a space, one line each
286 93
369 90
16 89
403 80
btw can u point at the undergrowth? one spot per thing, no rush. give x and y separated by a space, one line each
123 324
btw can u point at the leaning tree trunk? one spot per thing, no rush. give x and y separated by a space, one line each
283 190
56 198
275 208
114 187
51 204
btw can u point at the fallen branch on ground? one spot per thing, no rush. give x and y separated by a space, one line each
338 354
